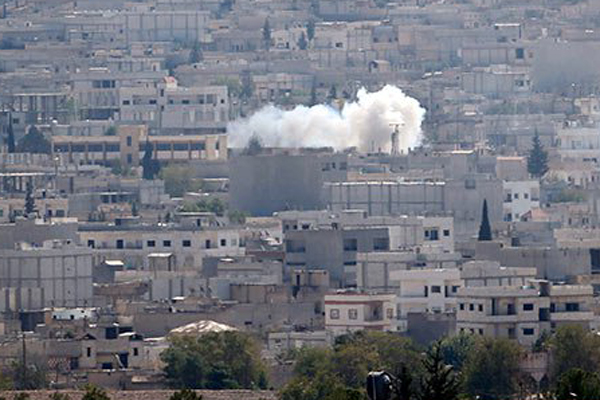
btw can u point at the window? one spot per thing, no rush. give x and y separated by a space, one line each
436 289
528 307
129 141
446 232
166 243
89 351
481 308
350 244
353 313
186 243
480 331
528 331
334 313
454 289
432 234
381 244
389 313
120 244
520 53
126 102
462 306
207 243
136 352
516 195
223 242
151 243
180 147
91 244
526 196
471 307
570 307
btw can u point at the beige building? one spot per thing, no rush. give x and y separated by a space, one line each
351 311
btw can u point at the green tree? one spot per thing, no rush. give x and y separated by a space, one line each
21 396
439 381
111 131
492 370
196 53
94 393
34 142
302 42
150 166
254 146
32 376
247 85
578 384
537 160
59 396
179 180
224 360
485 229
185 394
574 347
455 349
313 95
266 34
10 137
310 30
237 217
29 199
332 93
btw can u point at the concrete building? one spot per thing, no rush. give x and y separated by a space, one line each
522 313
54 275
347 312
520 197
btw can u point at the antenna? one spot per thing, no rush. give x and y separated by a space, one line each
395 133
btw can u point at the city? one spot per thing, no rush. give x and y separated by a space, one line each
299 199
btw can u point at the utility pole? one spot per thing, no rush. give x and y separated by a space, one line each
24 366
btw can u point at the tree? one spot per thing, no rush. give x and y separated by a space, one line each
29 199
150 166
185 394
254 146
302 42
492 369
439 381
34 142
455 349
59 396
32 376
134 209
332 93
224 360
111 131
537 161
574 347
313 95
247 85
266 33
94 393
485 230
578 384
310 30
196 54
10 137
179 180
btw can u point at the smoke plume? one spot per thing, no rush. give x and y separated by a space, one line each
365 124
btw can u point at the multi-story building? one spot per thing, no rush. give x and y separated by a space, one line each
522 313
520 197
347 312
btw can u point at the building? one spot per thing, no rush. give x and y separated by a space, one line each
347 312
520 197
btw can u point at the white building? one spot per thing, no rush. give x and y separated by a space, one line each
520 197
350 311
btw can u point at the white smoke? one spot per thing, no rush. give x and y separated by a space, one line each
365 124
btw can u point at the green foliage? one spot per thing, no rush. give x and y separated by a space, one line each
310 30
574 347
31 377
196 54
570 195
302 42
237 217
94 393
185 394
21 396
179 180
313 95
225 360
150 166
439 381
29 199
10 137
254 146
456 349
492 369
34 142
341 372
266 34
537 161
213 205
111 131
578 384
485 230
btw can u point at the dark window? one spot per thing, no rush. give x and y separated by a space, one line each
136 351
166 243
520 53
129 141
462 306
151 243
528 331
481 308
350 244
570 307
120 244
446 232
436 289
198 146
89 351
381 244
91 244
181 146
223 242
163 146
207 244
471 307
126 102
95 148
113 147
528 307
186 243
